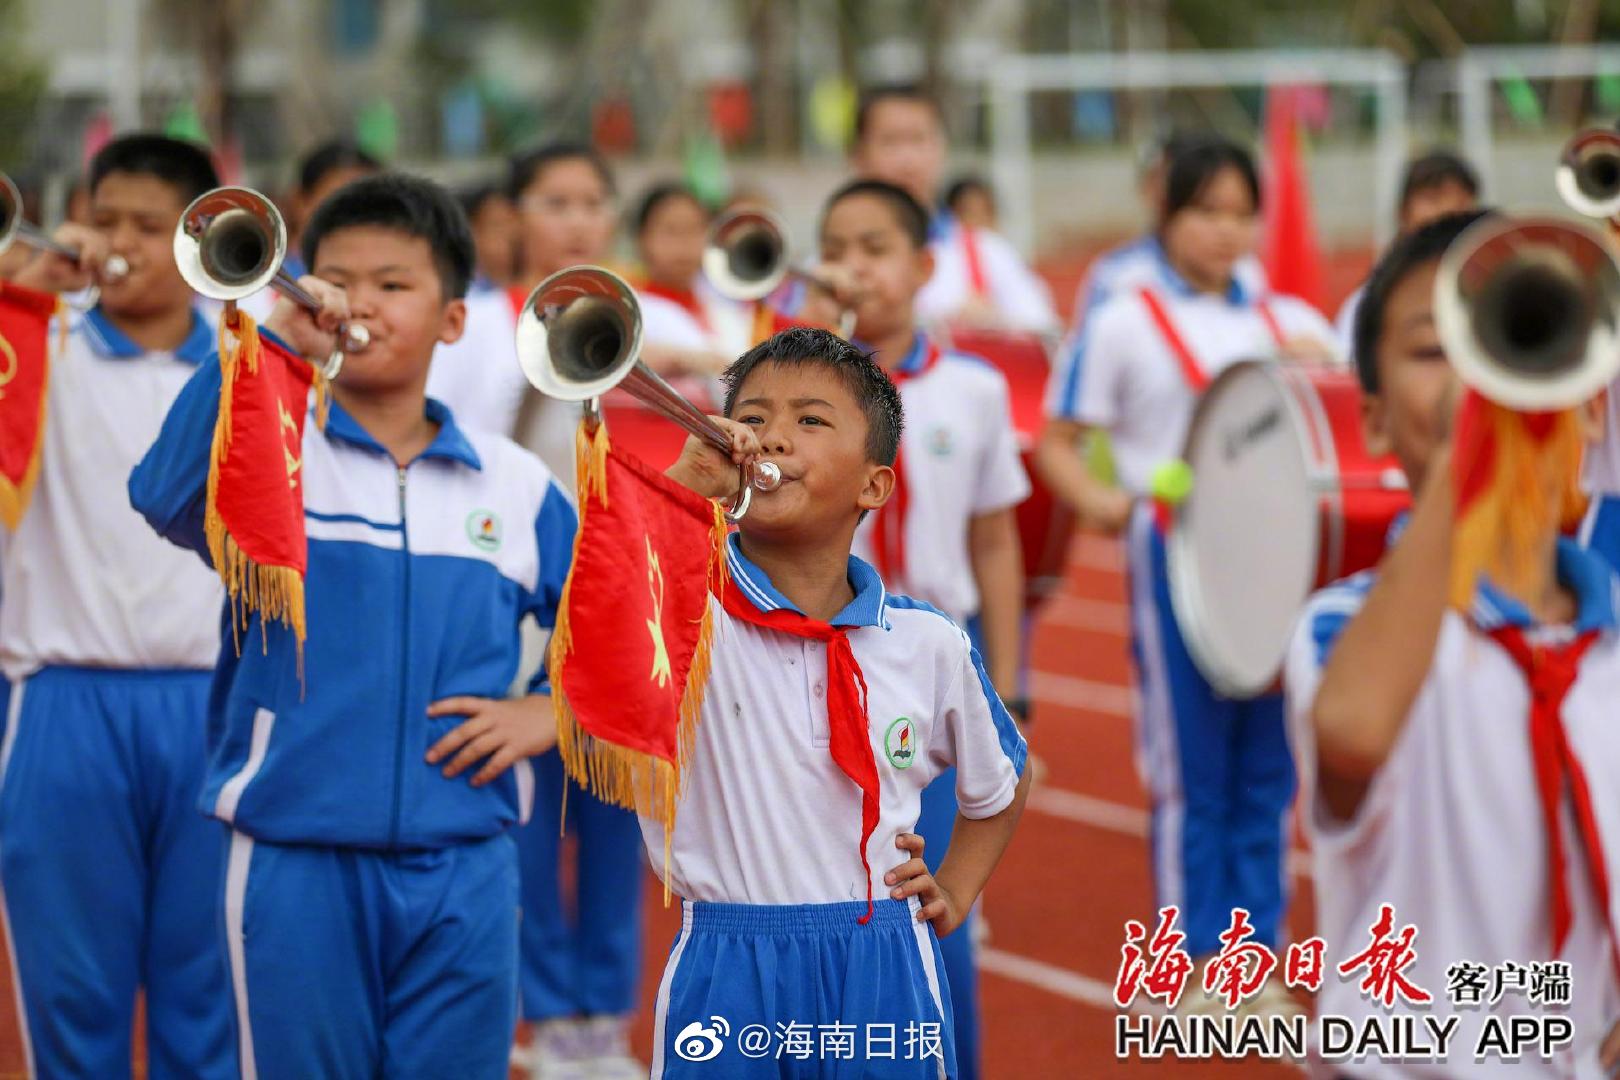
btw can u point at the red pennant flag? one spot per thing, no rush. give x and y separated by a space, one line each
255 514
1504 464
630 653
1290 254
25 318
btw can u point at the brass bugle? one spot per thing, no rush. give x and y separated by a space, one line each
579 336
746 256
1528 309
14 229
1588 177
231 242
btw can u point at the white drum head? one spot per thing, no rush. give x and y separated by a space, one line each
1243 551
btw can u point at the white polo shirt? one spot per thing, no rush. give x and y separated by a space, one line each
1603 460
1125 378
1016 291
766 816
960 455
666 322
86 580
478 376
1344 323
1450 831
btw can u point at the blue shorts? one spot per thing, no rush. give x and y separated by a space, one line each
348 962
753 991
110 872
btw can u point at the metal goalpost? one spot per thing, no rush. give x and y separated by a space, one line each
1478 70
1012 79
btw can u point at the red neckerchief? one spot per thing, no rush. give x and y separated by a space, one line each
687 299
889 528
1551 671
847 719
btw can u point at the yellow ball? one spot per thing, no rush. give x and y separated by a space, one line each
1172 482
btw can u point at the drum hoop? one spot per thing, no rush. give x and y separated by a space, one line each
1308 422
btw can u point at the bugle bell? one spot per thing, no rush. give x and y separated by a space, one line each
1529 311
579 336
231 242
746 255
1588 177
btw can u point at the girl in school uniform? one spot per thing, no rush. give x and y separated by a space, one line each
581 952
683 322
1217 770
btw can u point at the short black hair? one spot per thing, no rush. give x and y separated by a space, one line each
1434 169
1159 151
182 165
806 346
1422 245
472 199
411 205
877 95
656 196
964 184
527 166
328 158
913 219
1195 162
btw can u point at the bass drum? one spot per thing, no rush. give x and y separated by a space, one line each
1045 526
1285 499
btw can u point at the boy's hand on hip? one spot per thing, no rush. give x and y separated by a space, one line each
911 878
497 731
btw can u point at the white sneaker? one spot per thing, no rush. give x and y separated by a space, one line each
606 1049
558 1051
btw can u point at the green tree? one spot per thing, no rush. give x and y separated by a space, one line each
22 83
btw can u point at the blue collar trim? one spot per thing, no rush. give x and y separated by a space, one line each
1596 589
913 361
866 609
110 342
1235 293
1580 571
450 444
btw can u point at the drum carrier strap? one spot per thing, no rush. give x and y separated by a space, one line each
1191 369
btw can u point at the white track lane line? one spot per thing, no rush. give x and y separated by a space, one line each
1109 699
1099 616
1048 977
1118 818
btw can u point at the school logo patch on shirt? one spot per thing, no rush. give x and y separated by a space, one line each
900 743
484 530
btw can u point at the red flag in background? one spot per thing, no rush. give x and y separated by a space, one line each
255 514
630 653
25 318
1289 246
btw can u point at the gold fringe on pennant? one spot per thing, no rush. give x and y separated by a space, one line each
623 777
14 498
1501 532
275 592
